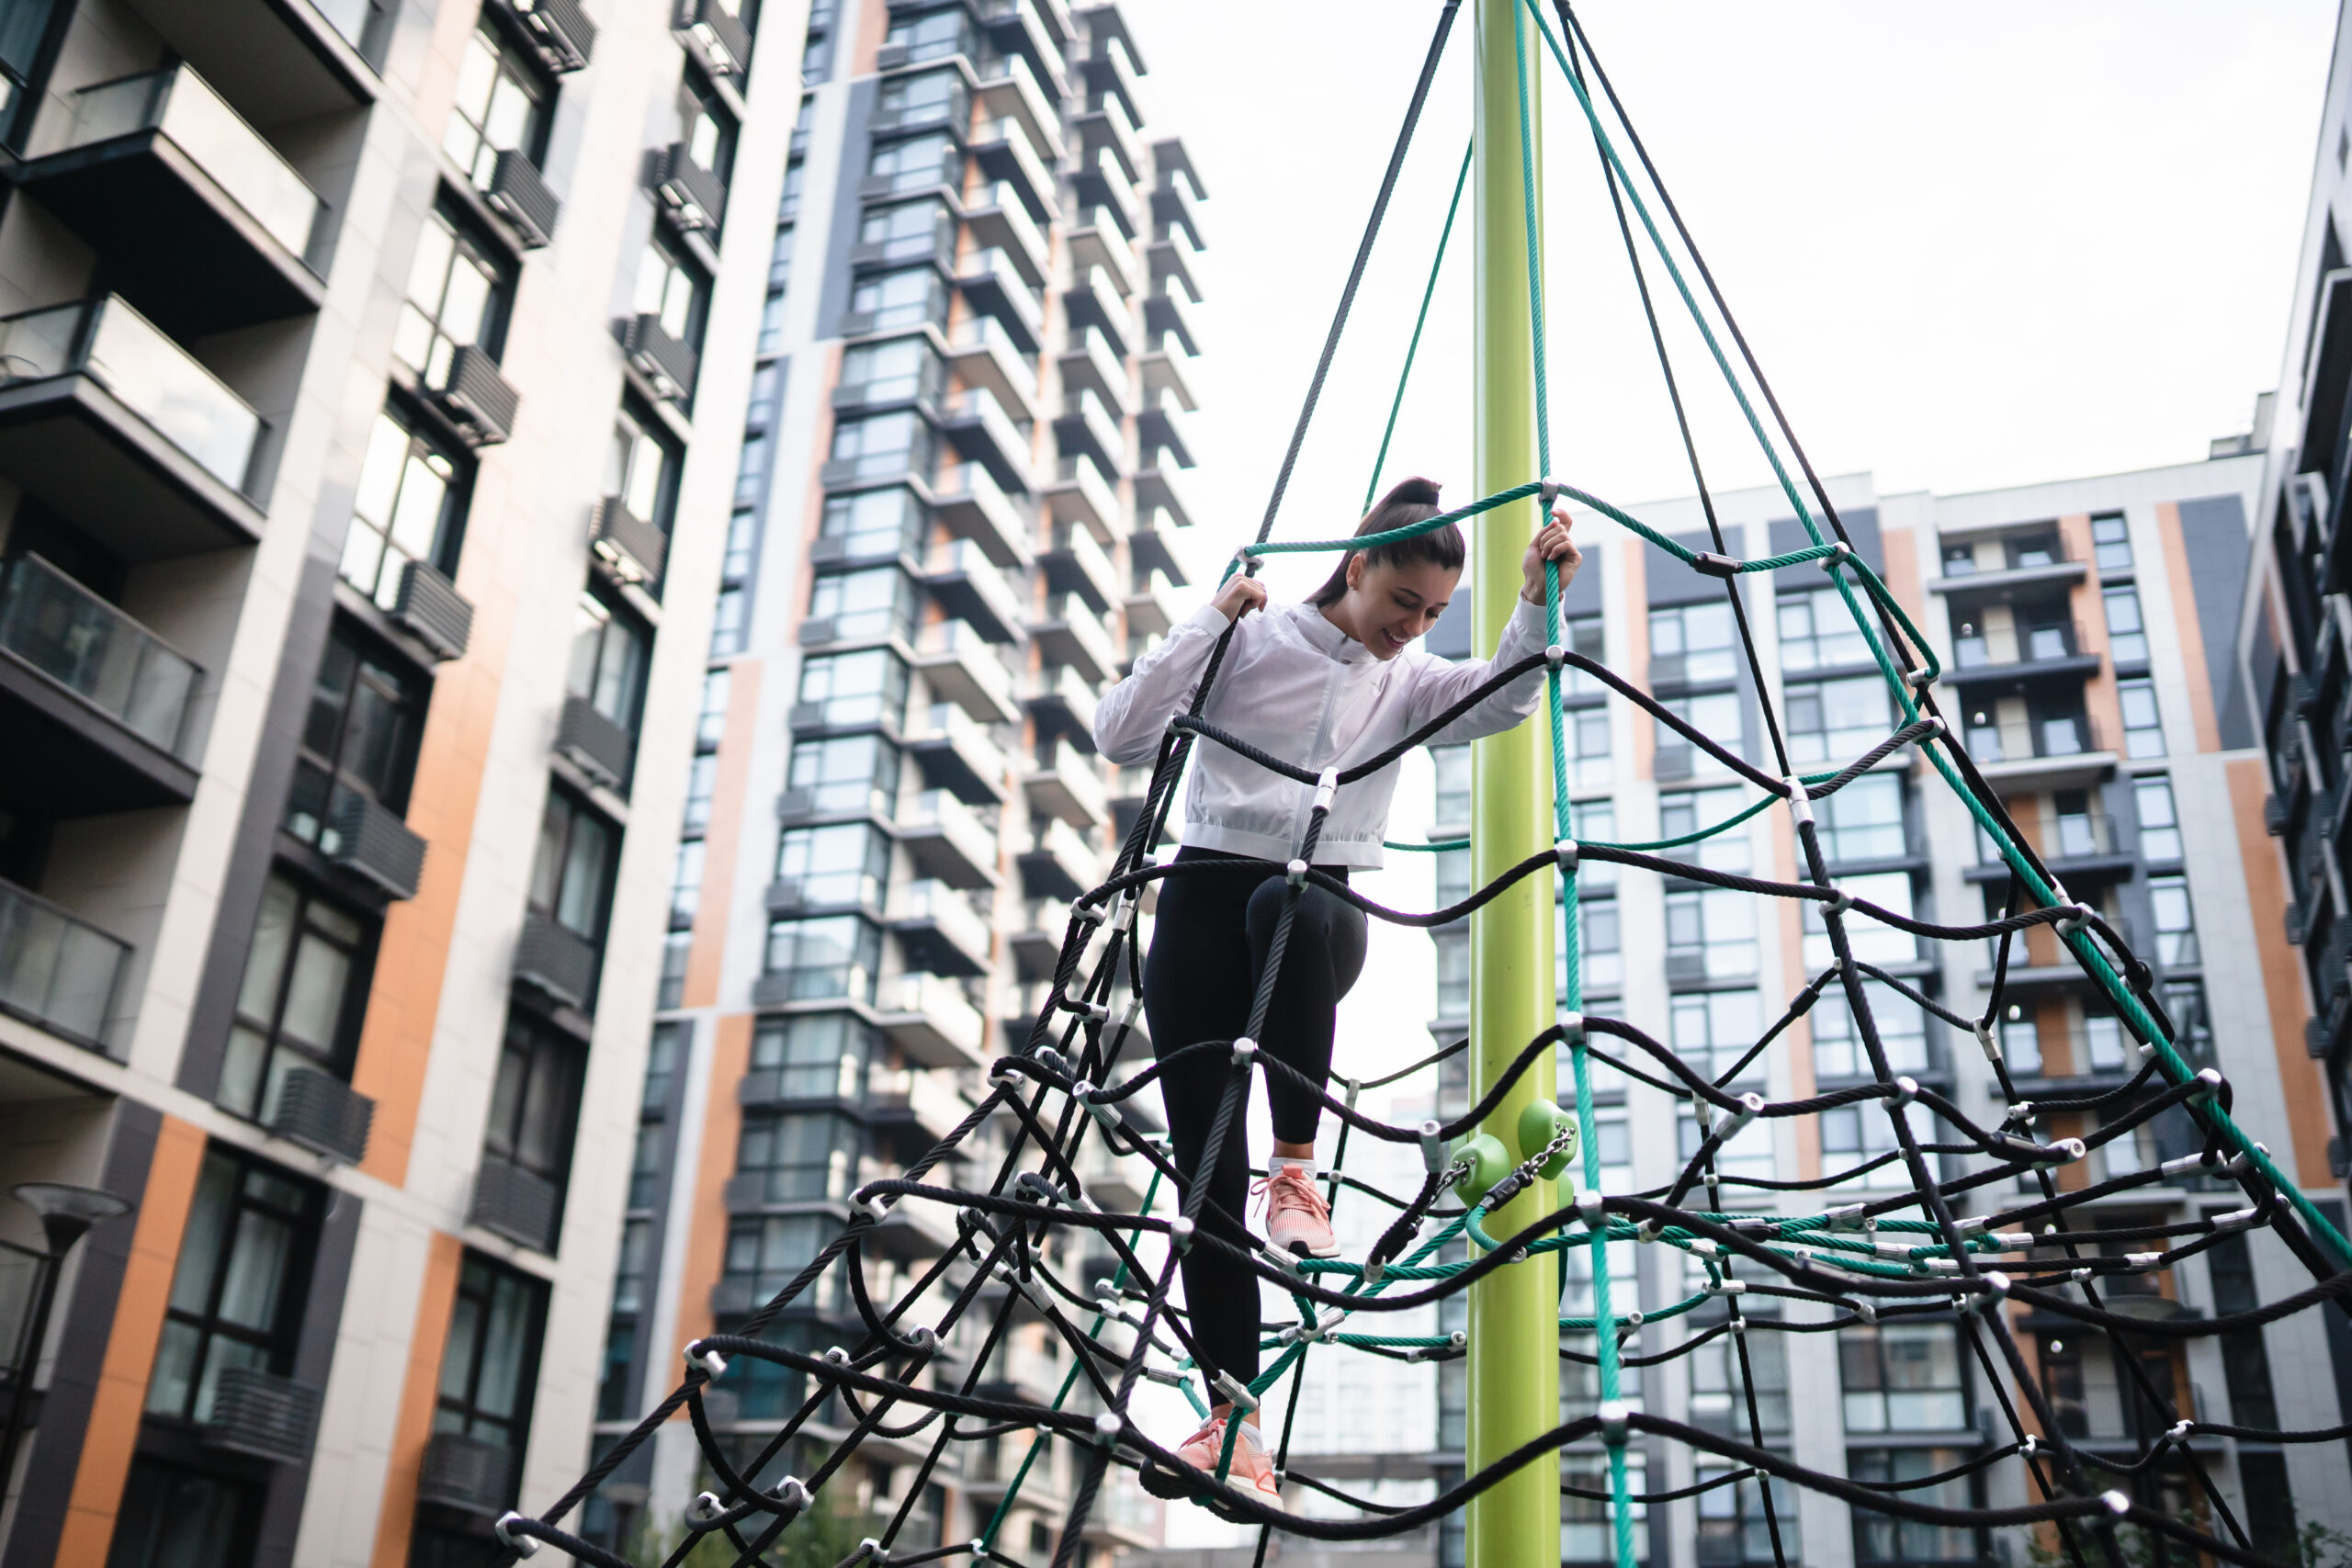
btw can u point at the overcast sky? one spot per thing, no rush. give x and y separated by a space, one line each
1974 247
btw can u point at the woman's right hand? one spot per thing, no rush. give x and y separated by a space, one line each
1239 597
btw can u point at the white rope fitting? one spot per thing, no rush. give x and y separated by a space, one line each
1373 1272
1234 1391
1590 1210
1614 1423
1799 803
1555 658
1325 788
1108 1115
520 1545
1295 874
2144 1262
2211 1078
710 1361
1907 1089
1919 681
1434 1153
878 1209
1751 1106
1547 490
1460 1338
2179 1431
1123 912
1106 1429
1841 553
873 1551
1179 1231
1996 1286
1838 905
2236 1219
705 1508
1245 1052
1084 912
1848 1217
1727 1287
1866 1311
1563 855
1986 1042
2028 1446
1355 1087
2075 917
1166 1377
2068 1151
1572 1028
2116 1503
791 1490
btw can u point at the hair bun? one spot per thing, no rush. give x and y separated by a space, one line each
1415 492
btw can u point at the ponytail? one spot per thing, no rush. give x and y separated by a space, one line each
1411 501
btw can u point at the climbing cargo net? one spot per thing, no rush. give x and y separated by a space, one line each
1983 1226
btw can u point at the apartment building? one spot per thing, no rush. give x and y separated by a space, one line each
2087 632
951 530
363 488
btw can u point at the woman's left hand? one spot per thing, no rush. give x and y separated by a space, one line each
1551 543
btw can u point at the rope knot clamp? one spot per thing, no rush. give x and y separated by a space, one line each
1180 1232
1986 1042
1372 1271
1615 1422
1849 1217
2028 1446
1841 554
1459 1339
1080 910
1840 905
1107 1429
1713 564
1997 1287
1547 490
1727 1287
710 1361
2116 1503
792 1492
1435 1154
1234 1391
1555 658
1165 1377
1054 1061
2072 922
704 1510
873 1551
1589 1209
1799 803
1108 1115
2211 1083
1751 1106
2179 1431
520 1545
1325 788
1295 874
1919 680
1572 1030
1245 1052
1564 856
1907 1089
2068 1151
1866 1311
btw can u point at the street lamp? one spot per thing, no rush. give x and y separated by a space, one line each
66 1214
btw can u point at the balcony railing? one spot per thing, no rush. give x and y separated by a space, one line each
270 1417
102 656
2067 734
947 840
2026 645
968 586
930 1020
724 40
466 1474
516 1204
324 1114
184 109
666 362
939 928
55 968
979 510
965 668
153 376
986 434
556 959
633 548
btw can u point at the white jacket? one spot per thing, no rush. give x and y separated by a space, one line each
1301 689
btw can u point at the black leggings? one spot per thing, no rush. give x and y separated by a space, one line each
1208 946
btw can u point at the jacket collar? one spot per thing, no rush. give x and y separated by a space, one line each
1324 637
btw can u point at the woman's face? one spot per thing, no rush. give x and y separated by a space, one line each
1388 605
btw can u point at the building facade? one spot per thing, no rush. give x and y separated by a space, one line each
951 530
363 499
2086 630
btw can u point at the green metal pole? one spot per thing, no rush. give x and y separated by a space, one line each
1514 1367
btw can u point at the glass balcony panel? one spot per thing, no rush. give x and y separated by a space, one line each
152 375
85 643
183 107
53 968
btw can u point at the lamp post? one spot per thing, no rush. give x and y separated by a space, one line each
66 1214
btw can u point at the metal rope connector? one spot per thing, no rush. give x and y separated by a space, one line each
1907 1089
1751 1106
1564 854
1986 1042
1547 490
1554 658
520 1545
1435 1153
1615 1422
1245 1052
1572 1030
712 1363
1841 554
1234 1391
1295 874
1180 1232
1107 1429
1840 905
792 1492
1325 788
1713 564
1799 803
1919 680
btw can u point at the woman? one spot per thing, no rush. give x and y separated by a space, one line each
1323 684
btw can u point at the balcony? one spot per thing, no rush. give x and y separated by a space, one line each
715 31
1171 262
603 750
1090 303
2085 847
1036 941
1157 491
934 246
111 424
938 930
1160 432
965 668
994 285
1114 1183
997 217
824 893
518 194
948 842
1004 150
466 1474
515 1204
1080 494
371 843
269 1417
667 365
1173 207
984 355
555 960
324 1114
956 755
1109 68
1076 564
1012 91
1058 864
968 587
1066 783
1088 363
198 218
1153 607
1107 128
1017 28
1086 429
929 1019
1163 380
99 699
915 1230
427 606
979 510
1125 1517
1062 704
1993 581
560 31
56 969
2035 752
2014 655
923 1103
1166 316
477 398
632 549
977 426
1069 633
691 196
1095 242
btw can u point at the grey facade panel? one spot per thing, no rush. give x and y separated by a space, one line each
841 237
1670 582
2214 533
281 1513
1788 534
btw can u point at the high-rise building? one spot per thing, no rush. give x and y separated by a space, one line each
2085 629
363 480
2295 636
951 532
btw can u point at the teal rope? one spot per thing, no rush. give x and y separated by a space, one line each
1398 406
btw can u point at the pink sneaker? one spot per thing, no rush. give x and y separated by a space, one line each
1250 1467
1298 1220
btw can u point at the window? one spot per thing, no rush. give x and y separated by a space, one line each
1901 1377
800 1158
707 130
752 469
1818 632
934 37
1959 560
835 956
1599 948
571 882
1594 822
2159 819
237 1290
615 1393
1870 941
671 288
880 523
1718 1393
2019 1034
1853 1136
458 295
359 732
1731 1523
491 1358
787 209
1692 643
865 607
500 106
2035 550
1588 1533
911 231
1713 1029
1452 785
25 29
702 785
2103 1041
662 1059
1452 974
1837 1051
2176 922
1691 811
726 621
1710 935
408 507
869 687
610 648
642 469
900 168
2192 1023
2143 734
883 446
763 1254
297 1005
676 948
686 883
1584 635
1749 1153
2127 639
742 548
173 1517
1836 720
2110 542
710 724
814 1055
535 1101
902 298
1586 732
1879 1538
2245 1363
1715 715
845 864
931 94
1863 821
854 772
889 372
